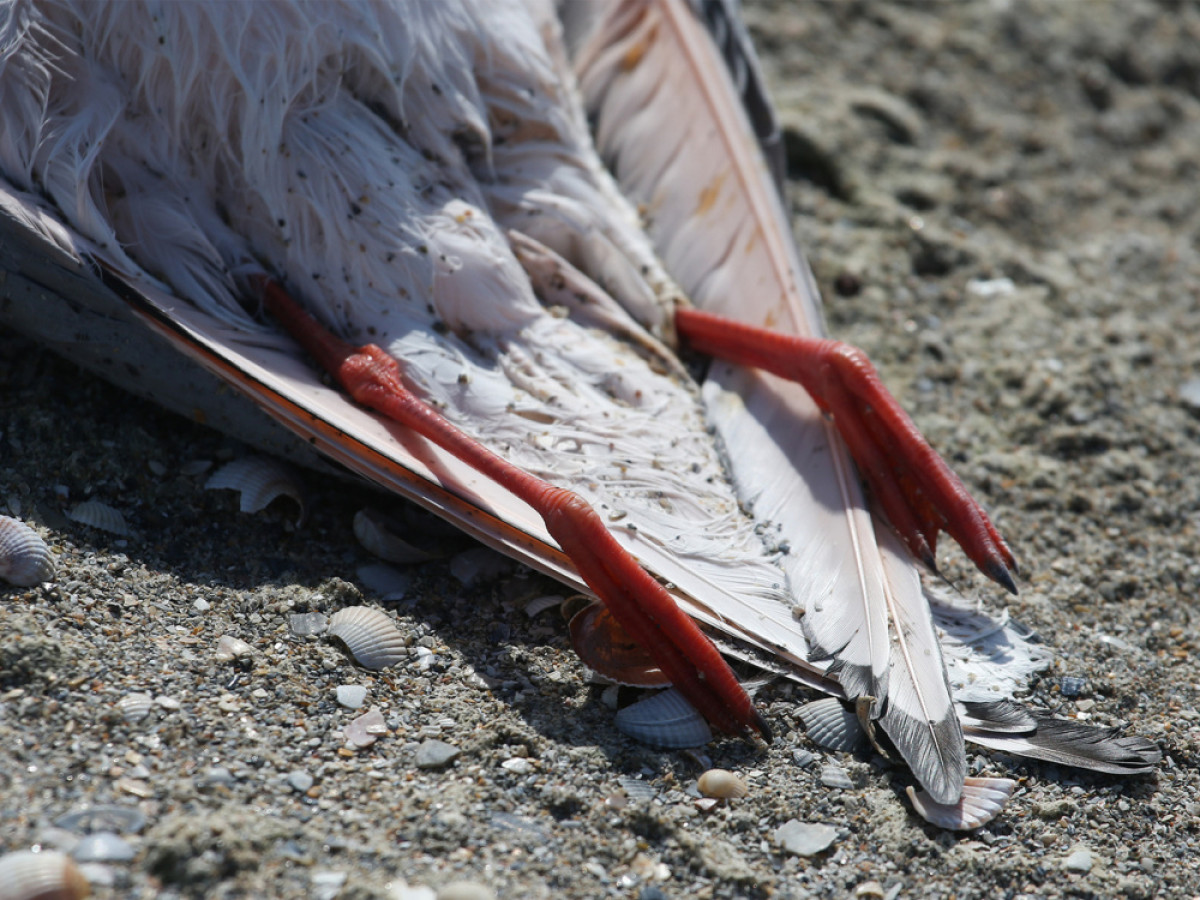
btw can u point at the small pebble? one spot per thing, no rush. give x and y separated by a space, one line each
300 781
351 696
1189 394
465 890
518 765
98 874
804 838
402 891
218 776
103 846
433 754
1078 860
327 885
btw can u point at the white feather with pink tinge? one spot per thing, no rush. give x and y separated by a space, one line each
371 155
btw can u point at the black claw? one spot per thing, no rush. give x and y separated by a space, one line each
761 726
1000 574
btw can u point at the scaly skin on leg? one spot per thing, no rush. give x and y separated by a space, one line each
642 606
918 492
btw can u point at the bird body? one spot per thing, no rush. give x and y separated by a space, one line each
422 176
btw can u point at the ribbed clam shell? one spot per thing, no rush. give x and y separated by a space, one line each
831 726
664 720
135 707
721 784
981 801
259 481
48 875
370 635
371 529
99 515
25 560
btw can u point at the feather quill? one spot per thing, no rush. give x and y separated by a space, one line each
650 72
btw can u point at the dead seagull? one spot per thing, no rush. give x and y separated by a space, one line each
495 224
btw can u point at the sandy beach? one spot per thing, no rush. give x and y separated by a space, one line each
999 202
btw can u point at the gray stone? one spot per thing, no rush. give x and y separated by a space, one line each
433 754
804 838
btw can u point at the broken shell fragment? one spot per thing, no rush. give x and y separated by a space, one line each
981 801
664 720
831 726
46 875
721 784
135 707
365 730
372 531
25 560
388 582
370 635
230 648
259 482
99 515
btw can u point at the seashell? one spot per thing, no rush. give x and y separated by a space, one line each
365 730
230 648
306 624
372 531
664 720
259 481
25 560
606 647
122 819
478 562
836 777
370 635
388 582
99 515
721 784
981 801
832 726
135 707
48 875
637 788
539 605
103 846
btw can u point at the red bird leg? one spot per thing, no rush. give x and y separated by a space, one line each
637 600
917 490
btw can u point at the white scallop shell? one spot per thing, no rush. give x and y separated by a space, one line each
721 784
99 515
830 725
665 720
25 560
981 801
259 481
370 527
48 875
370 635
